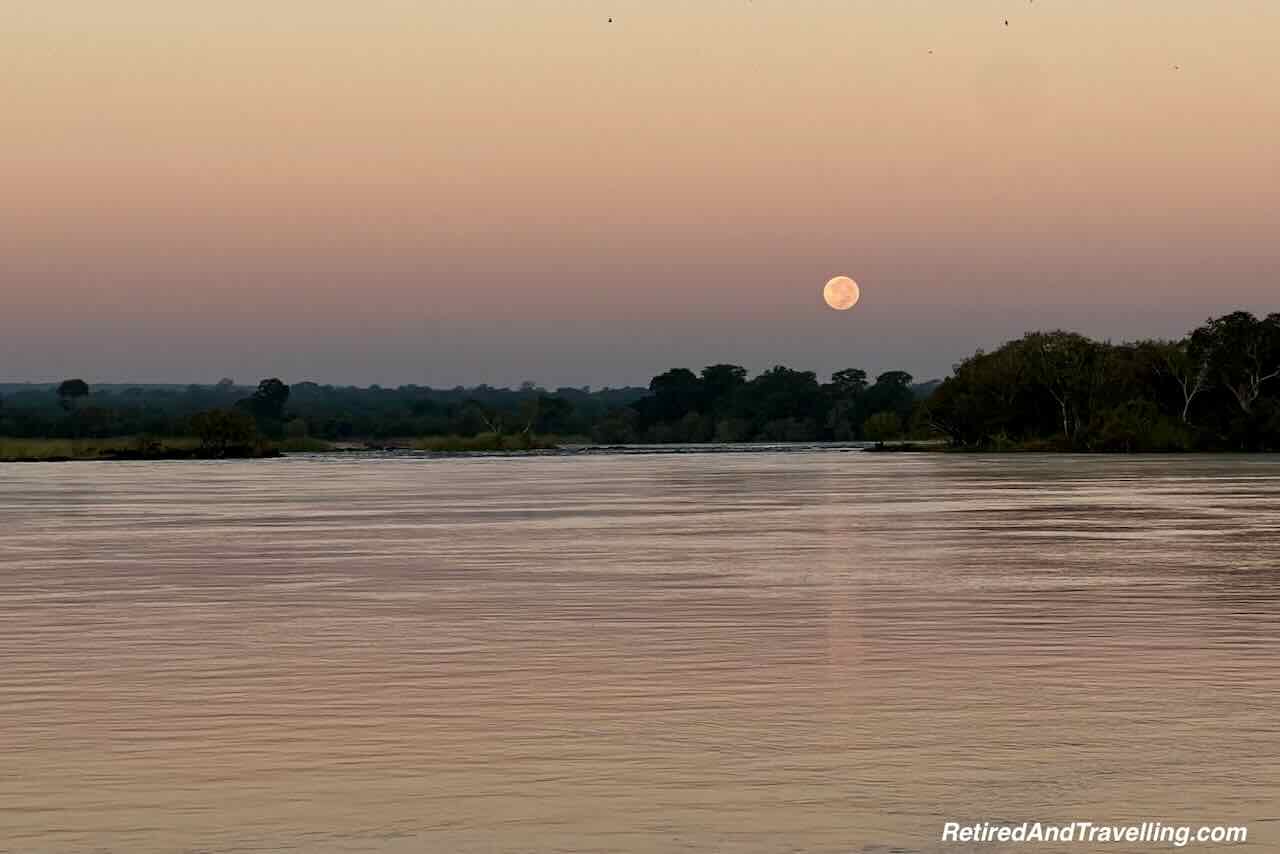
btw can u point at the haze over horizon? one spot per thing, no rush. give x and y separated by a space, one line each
444 193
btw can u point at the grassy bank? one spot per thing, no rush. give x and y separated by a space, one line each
452 444
118 448
449 444
486 442
148 448
908 446
304 445
88 449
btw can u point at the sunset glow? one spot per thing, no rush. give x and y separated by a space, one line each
435 192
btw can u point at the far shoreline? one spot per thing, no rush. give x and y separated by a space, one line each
408 450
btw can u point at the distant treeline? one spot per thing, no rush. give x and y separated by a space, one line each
230 414
1216 388
719 404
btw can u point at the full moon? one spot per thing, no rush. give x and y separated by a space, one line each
841 293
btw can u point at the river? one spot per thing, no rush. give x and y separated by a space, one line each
760 652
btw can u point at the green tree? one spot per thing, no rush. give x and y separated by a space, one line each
845 395
1243 353
990 395
269 399
545 414
1128 427
894 379
891 392
618 427
882 426
718 385
782 393
733 430
1067 366
221 430
1185 364
475 417
70 392
849 382
674 393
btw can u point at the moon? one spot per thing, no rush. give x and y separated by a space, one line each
841 293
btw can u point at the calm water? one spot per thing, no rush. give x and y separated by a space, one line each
727 652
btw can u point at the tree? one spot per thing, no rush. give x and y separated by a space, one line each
719 383
618 427
1067 366
1243 353
895 379
845 393
474 417
674 393
991 399
71 391
1184 363
891 393
849 382
882 426
842 420
221 430
545 414
782 393
269 399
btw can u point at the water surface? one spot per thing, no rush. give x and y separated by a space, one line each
764 652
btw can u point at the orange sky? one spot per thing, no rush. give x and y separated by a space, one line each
459 192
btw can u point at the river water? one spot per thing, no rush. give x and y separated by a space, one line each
812 651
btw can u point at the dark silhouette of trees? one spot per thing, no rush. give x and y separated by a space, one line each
619 426
1068 367
675 393
720 403
269 399
1217 388
223 430
882 427
849 382
71 391
1243 354
1183 364
846 403
719 383
551 414
266 405
890 393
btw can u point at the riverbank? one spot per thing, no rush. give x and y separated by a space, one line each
123 448
182 448
134 448
927 445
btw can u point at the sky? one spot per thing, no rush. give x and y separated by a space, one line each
492 191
